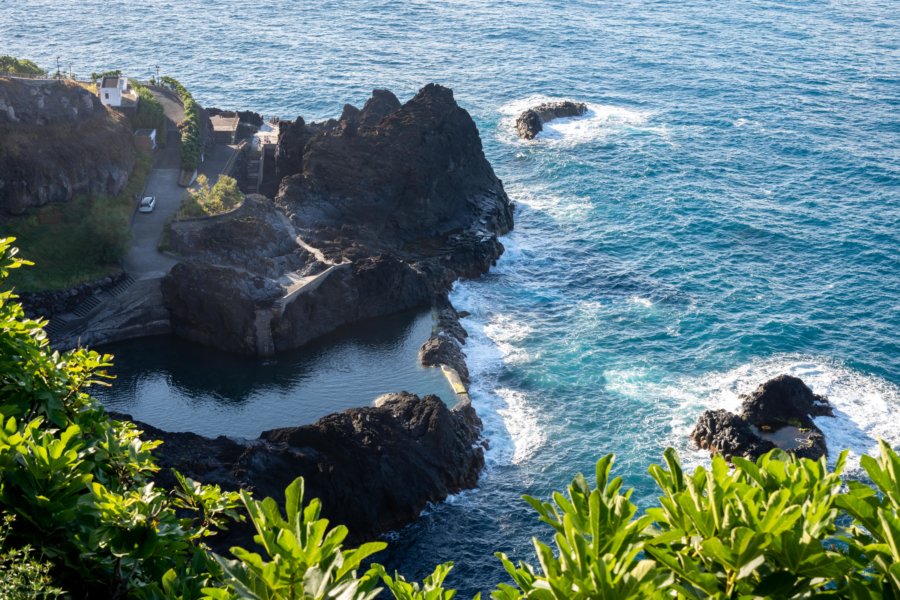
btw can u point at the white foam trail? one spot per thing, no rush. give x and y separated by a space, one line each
511 418
560 208
598 121
507 334
523 423
645 302
866 407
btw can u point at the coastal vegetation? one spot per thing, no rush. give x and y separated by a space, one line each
191 136
206 201
19 66
149 114
76 241
79 488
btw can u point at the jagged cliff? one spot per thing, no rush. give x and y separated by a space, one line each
377 212
56 141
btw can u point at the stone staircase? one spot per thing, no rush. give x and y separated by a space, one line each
62 324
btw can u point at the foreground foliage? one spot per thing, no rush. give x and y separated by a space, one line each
89 519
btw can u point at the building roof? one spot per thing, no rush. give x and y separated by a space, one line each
110 82
223 123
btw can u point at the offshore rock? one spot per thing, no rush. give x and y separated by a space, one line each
531 122
783 400
778 414
374 468
58 141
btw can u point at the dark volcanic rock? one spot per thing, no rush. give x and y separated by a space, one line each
57 141
419 173
380 105
725 433
375 468
531 122
379 212
371 287
784 400
778 414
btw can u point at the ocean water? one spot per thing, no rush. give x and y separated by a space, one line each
728 210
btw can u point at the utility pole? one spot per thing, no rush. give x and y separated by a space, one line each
157 74
57 68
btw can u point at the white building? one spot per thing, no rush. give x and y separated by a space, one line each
115 91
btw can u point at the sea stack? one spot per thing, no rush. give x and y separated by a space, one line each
531 122
778 414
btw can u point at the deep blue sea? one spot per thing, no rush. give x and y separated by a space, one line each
728 210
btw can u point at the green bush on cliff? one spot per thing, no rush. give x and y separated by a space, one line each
19 66
204 201
89 519
190 128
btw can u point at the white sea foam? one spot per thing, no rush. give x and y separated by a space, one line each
598 121
507 334
522 421
640 301
562 208
511 418
866 407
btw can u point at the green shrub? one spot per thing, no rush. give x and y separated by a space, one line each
190 128
77 241
205 201
22 577
19 66
78 483
149 114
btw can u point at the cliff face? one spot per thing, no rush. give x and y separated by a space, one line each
377 212
56 141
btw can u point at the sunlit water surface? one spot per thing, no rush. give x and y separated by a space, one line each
727 211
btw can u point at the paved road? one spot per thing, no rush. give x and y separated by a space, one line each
144 260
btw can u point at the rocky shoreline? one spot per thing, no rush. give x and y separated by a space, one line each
377 212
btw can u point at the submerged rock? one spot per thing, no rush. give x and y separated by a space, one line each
531 122
374 468
778 414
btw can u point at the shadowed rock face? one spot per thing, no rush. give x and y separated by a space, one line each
397 201
375 468
59 141
531 122
779 406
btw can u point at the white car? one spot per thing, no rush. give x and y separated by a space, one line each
148 203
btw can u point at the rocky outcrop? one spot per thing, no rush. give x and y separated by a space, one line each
445 346
59 141
375 468
531 122
778 414
377 212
